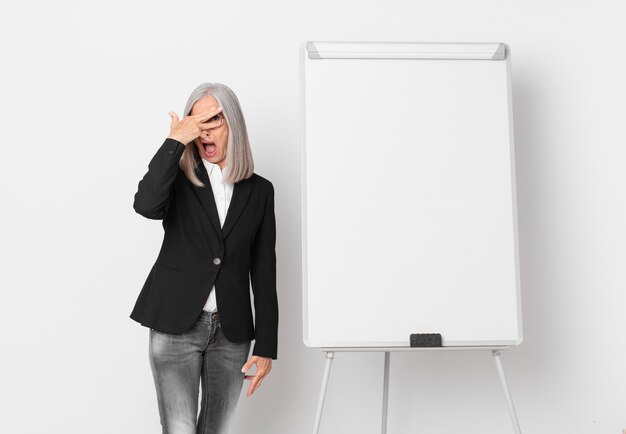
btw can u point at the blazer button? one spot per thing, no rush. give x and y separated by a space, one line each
217 261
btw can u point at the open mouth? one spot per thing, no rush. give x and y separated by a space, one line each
210 148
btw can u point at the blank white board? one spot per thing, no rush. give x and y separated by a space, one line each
409 210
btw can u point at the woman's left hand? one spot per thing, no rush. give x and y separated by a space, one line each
263 367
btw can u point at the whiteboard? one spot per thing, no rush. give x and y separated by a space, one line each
408 202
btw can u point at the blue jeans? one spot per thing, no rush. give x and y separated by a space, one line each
180 361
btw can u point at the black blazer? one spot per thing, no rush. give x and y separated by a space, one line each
197 254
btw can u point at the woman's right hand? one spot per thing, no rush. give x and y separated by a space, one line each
191 126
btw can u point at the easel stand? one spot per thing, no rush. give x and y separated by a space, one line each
330 355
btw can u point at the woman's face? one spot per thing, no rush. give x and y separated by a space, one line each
212 143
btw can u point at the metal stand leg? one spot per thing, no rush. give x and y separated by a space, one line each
507 392
385 392
320 405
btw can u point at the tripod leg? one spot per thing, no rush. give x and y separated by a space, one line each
507 392
320 405
385 392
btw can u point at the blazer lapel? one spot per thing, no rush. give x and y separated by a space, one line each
241 193
205 194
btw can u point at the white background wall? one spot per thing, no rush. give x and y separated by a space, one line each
84 96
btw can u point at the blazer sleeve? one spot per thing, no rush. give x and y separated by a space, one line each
153 192
263 279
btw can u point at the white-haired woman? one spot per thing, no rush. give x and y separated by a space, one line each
219 240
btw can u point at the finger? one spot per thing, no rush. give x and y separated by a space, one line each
247 365
252 389
174 117
208 114
256 386
208 125
251 361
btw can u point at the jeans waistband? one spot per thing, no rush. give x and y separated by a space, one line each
209 316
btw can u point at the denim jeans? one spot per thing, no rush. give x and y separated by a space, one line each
179 362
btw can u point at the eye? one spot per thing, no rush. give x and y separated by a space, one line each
215 118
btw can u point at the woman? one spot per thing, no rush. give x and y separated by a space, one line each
220 231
